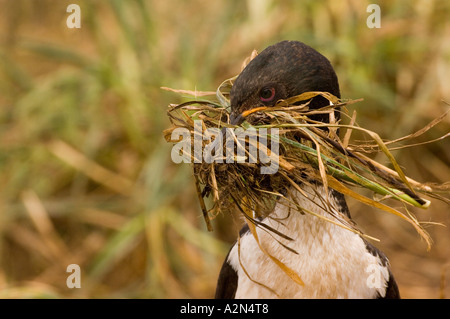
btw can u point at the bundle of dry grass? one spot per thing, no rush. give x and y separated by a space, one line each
309 153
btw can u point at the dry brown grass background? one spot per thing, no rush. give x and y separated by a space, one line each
86 175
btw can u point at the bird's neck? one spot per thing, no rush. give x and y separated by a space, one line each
312 211
330 259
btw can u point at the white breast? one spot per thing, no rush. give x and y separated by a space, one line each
333 262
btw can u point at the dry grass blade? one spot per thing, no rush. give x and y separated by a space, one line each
335 184
202 205
309 152
248 275
189 92
433 123
43 224
98 173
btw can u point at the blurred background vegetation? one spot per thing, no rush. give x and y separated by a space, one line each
85 173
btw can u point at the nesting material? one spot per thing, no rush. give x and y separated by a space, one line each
308 153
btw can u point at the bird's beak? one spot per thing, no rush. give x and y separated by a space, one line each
236 119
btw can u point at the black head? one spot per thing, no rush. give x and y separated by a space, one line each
283 70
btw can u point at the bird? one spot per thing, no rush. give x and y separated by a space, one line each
333 262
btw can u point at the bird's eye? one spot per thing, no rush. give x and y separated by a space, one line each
267 94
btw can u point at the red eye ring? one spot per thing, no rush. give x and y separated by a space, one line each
267 94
